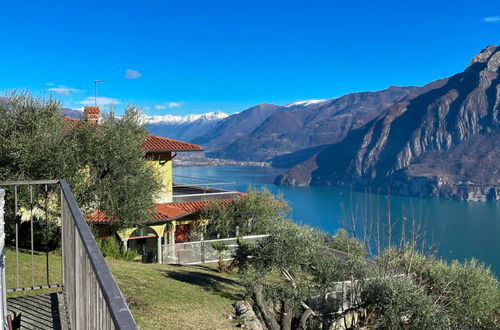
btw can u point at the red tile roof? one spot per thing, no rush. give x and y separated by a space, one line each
69 120
157 143
98 216
167 211
162 211
91 110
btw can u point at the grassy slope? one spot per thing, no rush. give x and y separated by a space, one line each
159 296
187 297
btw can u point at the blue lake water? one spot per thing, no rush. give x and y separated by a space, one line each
459 230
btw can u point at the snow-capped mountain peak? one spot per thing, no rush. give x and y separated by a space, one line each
172 119
305 103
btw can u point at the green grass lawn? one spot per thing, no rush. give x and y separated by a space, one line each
177 297
159 296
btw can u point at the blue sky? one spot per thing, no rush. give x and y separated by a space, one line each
198 56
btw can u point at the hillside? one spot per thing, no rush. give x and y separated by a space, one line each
159 296
303 127
443 143
236 125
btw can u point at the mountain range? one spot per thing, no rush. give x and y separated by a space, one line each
310 126
440 139
442 143
186 128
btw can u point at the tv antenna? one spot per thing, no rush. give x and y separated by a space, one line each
95 90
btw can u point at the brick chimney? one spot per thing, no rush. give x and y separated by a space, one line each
91 114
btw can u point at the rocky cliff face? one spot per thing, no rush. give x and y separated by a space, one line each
443 143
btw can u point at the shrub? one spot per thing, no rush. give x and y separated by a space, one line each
220 247
256 213
399 303
342 242
468 292
112 249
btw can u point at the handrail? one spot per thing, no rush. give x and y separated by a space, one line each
118 309
205 179
3 291
92 297
28 182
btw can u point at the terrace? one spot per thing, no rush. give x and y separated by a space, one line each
192 189
76 289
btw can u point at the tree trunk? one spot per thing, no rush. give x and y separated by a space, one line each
286 314
267 315
303 319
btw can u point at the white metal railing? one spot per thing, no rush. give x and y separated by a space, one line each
203 183
192 253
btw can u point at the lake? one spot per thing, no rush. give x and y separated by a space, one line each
460 230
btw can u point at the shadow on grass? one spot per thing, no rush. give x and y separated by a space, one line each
209 282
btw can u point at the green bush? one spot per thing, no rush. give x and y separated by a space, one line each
468 292
221 247
399 303
342 242
256 213
112 249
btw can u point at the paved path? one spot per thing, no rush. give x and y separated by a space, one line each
39 311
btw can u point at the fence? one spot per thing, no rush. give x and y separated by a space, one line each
203 183
3 293
192 253
93 299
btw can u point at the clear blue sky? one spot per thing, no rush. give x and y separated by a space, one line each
198 56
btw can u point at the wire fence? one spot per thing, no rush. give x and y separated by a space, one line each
193 253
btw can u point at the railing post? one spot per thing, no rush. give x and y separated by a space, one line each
3 288
202 247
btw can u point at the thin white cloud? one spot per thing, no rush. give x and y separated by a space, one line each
492 19
169 105
101 101
132 74
63 90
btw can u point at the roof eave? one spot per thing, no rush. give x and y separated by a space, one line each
183 150
170 219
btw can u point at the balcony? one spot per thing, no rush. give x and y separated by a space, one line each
75 288
192 189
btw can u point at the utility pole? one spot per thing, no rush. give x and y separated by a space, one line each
95 90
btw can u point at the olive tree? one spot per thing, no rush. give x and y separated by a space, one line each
103 164
290 275
255 213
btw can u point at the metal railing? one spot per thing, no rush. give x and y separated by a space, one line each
188 189
203 183
199 252
93 299
3 292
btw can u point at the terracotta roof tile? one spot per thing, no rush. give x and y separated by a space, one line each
157 143
162 211
70 120
98 216
167 211
91 110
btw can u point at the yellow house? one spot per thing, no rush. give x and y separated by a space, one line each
177 206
